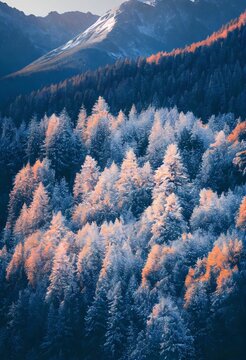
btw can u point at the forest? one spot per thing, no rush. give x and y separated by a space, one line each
123 233
207 78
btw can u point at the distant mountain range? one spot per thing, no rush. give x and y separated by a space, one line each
25 38
207 78
136 28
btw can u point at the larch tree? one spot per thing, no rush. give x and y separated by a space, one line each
39 210
22 225
24 186
241 219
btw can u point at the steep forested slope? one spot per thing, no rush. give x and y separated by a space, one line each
207 78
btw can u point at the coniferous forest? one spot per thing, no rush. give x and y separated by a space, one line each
123 209
124 236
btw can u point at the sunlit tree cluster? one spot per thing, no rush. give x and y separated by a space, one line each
124 237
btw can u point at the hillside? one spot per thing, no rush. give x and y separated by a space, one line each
207 78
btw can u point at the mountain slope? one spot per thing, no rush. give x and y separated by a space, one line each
25 38
136 28
221 34
208 80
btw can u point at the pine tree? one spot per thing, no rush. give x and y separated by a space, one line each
168 221
171 177
86 180
89 260
157 143
129 182
81 124
103 200
61 199
100 142
34 141
115 336
177 341
96 321
142 197
192 149
216 177
60 144
62 279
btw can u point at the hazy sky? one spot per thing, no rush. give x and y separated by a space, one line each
43 7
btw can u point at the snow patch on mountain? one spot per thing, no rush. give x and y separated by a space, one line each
96 33
148 2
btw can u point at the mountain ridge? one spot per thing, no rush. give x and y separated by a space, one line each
24 38
134 29
196 81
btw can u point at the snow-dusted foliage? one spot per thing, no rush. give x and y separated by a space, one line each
124 237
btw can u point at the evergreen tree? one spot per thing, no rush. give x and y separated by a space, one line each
115 336
168 221
86 180
34 141
157 143
103 200
96 321
62 279
171 177
60 144
61 199
128 183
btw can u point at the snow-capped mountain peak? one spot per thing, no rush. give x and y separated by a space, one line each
96 33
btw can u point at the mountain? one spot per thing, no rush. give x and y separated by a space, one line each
207 77
25 38
136 28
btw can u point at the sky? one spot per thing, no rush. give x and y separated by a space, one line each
43 7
